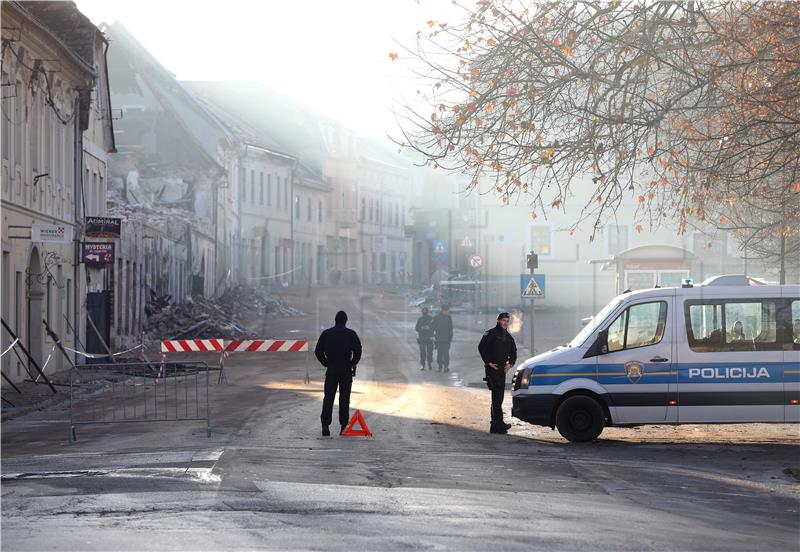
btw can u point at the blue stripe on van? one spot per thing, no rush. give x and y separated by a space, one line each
685 373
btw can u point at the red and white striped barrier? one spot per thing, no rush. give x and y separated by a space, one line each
267 345
224 347
192 345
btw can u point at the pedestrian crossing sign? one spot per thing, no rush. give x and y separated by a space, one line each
531 286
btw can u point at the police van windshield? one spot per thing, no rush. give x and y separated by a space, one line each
594 323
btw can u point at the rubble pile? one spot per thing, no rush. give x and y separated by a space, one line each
200 318
244 298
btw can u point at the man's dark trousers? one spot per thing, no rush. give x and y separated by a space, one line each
345 383
443 354
496 381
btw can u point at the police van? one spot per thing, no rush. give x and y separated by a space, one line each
725 351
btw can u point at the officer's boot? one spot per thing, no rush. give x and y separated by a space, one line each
326 432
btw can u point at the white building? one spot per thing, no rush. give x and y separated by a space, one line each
56 127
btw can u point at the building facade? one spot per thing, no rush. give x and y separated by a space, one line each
56 135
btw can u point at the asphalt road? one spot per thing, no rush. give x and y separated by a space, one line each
431 477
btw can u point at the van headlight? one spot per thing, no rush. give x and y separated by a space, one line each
522 378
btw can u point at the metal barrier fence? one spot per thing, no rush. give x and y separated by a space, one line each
141 392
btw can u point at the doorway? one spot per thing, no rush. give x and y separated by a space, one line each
35 284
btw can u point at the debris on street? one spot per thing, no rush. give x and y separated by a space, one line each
201 318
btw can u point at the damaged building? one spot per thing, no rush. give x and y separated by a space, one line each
170 186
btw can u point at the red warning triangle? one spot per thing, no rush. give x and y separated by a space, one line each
363 432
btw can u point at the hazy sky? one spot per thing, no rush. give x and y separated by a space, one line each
331 54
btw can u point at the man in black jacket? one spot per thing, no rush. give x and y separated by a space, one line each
339 350
443 336
499 353
424 329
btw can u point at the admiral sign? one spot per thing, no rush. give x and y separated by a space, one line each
51 233
98 253
103 227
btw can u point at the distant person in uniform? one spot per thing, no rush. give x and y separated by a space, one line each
443 336
499 353
796 331
339 350
424 329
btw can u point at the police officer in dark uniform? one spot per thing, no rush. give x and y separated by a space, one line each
499 353
339 350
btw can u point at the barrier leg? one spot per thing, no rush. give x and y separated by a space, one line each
223 376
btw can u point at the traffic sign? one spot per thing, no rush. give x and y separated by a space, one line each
466 242
439 246
475 261
531 286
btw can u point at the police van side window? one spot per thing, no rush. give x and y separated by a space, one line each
795 335
638 326
732 325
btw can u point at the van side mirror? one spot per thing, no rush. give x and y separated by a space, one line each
600 345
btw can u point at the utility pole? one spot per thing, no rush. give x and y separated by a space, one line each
533 264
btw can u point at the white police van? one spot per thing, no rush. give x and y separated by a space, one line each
726 351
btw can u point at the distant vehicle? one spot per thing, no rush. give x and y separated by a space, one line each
726 351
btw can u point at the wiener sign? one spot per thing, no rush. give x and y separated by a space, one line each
97 253
103 227
51 233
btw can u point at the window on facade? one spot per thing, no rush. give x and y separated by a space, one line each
286 193
732 325
363 208
59 153
297 207
617 238
540 240
18 128
96 195
34 136
319 211
278 192
261 188
243 183
269 190
638 326
48 140
252 185
7 114
309 210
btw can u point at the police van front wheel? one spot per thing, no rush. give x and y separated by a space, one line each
580 419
